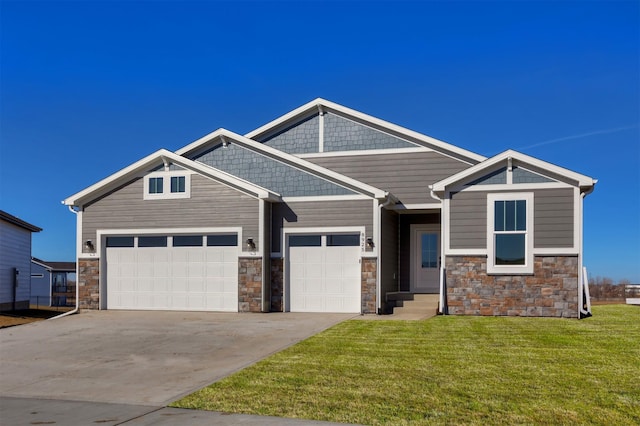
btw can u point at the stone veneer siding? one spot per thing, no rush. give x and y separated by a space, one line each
250 284
368 285
552 290
88 281
277 284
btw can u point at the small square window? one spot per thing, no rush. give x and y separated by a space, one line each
155 185
177 184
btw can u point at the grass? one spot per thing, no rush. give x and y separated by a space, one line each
449 370
26 316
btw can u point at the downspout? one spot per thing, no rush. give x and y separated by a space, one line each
77 308
441 304
389 199
582 313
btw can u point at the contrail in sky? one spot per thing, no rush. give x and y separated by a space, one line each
582 135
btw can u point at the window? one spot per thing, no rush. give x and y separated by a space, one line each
167 185
351 240
222 240
187 241
177 184
510 233
305 240
152 241
429 253
155 185
119 241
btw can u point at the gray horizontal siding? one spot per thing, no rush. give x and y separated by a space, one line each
405 175
315 214
553 218
468 220
15 252
211 205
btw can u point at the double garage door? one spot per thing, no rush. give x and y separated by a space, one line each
180 272
324 273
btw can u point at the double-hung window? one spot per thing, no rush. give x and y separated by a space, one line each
167 185
510 233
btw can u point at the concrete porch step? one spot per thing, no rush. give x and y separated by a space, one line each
419 306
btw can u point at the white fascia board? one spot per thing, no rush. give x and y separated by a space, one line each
165 156
412 136
519 159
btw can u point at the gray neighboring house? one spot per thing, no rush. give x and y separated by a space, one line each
53 283
15 261
327 209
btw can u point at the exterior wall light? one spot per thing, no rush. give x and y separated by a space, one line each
370 242
251 245
89 247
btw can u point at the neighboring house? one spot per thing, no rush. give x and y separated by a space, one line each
327 209
53 283
15 261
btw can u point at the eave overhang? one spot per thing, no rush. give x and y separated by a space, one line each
165 157
324 105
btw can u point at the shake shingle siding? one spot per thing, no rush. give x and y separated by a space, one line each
268 173
301 138
211 205
341 134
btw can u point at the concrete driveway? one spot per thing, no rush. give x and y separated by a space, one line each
141 358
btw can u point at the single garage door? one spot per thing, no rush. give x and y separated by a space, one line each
324 273
181 272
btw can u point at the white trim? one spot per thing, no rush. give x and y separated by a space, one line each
510 187
354 197
552 251
320 129
517 159
101 244
376 123
142 167
355 153
527 268
465 252
166 193
400 208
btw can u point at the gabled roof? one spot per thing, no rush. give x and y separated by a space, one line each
323 105
222 136
19 222
55 266
160 157
585 183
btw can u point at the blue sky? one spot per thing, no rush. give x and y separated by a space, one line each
87 88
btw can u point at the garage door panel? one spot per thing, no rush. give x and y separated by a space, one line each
324 278
172 278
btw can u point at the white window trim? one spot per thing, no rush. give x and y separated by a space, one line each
166 185
527 268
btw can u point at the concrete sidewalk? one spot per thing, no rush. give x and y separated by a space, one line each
28 412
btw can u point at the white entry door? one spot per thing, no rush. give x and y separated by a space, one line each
323 273
186 273
425 258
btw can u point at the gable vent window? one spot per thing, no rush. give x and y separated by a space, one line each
510 233
167 185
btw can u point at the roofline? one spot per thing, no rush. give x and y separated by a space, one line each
19 222
286 158
413 136
165 156
584 182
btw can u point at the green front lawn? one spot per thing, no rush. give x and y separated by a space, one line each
449 370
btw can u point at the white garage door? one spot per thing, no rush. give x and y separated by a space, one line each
324 273
183 273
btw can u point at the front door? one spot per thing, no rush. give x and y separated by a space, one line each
425 258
